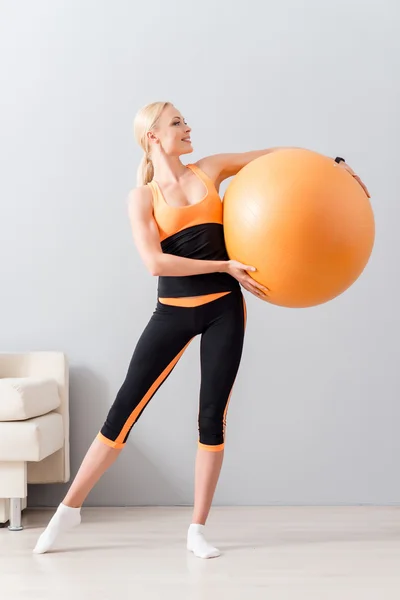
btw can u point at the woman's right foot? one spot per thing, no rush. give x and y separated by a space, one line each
197 544
65 518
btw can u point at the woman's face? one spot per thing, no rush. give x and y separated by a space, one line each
172 133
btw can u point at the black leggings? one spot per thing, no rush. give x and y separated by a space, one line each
221 324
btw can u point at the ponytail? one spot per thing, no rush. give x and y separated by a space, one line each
145 121
145 171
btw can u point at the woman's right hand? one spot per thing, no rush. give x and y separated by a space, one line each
239 272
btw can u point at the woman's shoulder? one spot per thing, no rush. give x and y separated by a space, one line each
141 193
208 168
140 201
206 164
211 167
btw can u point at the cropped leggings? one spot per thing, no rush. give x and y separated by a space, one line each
221 324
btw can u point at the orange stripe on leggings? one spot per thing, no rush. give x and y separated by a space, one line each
133 416
211 448
108 442
192 300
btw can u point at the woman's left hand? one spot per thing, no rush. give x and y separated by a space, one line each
345 166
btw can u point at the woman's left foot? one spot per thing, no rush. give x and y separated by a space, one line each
65 518
197 544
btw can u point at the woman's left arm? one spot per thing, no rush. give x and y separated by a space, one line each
221 166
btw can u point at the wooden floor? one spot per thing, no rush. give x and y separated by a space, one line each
269 553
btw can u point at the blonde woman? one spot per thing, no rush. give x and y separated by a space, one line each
176 218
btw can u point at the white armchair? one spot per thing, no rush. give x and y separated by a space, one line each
34 427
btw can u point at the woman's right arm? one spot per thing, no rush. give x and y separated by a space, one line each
147 240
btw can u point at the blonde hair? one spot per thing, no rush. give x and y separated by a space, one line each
145 121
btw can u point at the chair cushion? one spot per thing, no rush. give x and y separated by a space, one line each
26 397
31 440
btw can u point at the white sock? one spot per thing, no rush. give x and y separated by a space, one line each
65 518
197 544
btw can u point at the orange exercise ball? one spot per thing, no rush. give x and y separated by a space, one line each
304 222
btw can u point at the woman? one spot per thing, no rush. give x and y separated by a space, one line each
176 218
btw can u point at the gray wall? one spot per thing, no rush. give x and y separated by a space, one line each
315 414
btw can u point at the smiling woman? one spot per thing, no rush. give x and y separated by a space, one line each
153 118
176 218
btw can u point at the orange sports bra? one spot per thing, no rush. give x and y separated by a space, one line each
172 219
193 231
